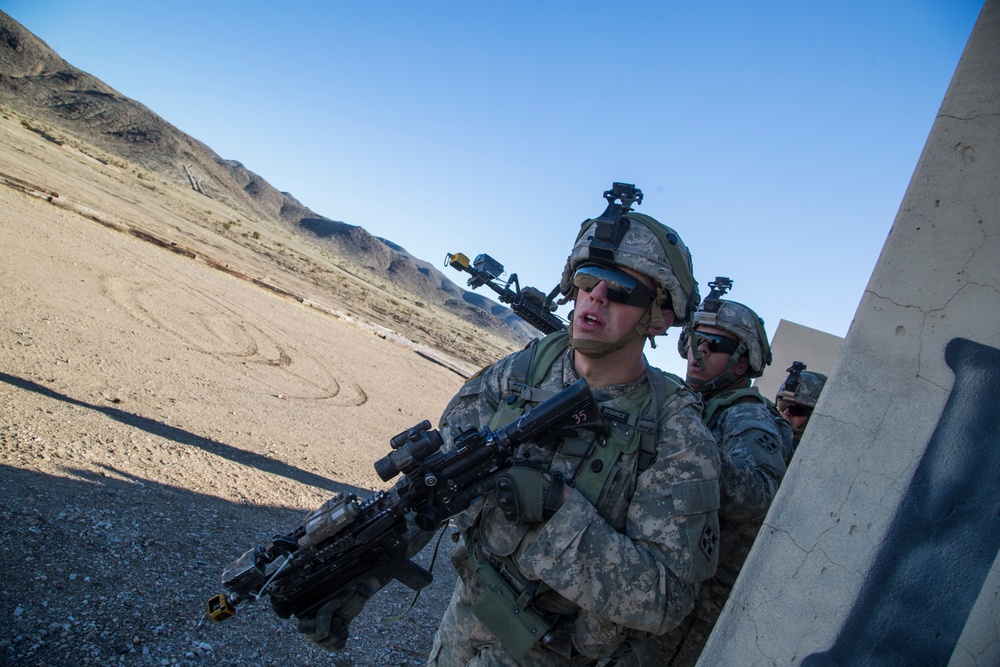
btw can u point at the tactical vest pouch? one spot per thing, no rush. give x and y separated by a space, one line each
508 615
498 535
601 461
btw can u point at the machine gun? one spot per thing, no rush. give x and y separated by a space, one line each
529 303
347 540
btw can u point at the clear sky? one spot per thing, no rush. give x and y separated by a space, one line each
778 138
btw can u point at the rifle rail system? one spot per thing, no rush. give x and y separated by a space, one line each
529 303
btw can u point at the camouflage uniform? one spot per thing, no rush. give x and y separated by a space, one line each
755 442
624 569
622 556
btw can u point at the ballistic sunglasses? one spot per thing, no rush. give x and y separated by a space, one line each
715 342
622 288
794 409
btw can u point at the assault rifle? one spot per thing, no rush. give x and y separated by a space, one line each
347 539
530 304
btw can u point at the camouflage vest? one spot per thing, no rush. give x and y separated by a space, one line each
627 429
506 607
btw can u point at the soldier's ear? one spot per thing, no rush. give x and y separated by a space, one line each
742 365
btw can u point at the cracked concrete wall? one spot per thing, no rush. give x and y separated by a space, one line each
881 546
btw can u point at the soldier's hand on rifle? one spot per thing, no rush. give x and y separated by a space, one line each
527 495
328 628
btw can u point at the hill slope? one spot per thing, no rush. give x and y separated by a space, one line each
57 100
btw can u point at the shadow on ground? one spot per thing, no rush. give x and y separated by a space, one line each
180 436
105 568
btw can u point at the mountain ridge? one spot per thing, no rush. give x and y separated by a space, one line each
37 82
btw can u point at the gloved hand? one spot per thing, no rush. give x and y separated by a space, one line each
328 628
528 495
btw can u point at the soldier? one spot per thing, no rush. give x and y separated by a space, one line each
588 541
797 397
726 348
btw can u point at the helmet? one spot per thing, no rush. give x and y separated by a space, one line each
740 321
801 386
620 237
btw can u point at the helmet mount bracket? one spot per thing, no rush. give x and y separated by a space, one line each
612 224
719 287
794 375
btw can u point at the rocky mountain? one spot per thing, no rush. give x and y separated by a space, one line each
37 83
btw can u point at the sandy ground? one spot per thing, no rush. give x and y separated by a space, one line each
158 417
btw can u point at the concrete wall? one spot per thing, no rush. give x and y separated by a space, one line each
817 349
881 547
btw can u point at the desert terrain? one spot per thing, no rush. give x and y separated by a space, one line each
173 393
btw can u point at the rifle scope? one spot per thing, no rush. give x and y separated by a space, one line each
409 448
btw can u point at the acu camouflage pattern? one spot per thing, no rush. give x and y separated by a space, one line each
625 569
756 445
807 390
641 250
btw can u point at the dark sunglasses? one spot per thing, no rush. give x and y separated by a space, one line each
794 409
716 343
622 288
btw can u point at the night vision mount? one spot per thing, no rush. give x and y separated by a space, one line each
794 377
719 287
626 193
612 224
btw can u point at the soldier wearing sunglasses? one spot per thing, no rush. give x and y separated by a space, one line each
726 347
797 397
604 539
588 540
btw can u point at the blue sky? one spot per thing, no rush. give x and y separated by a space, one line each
778 138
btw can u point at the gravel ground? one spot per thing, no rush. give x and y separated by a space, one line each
115 571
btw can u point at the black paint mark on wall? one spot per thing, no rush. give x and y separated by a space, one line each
944 538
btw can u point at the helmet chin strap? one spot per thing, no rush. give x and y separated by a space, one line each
720 383
595 349
724 380
655 317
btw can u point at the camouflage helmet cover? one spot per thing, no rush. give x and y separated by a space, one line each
740 321
650 248
804 392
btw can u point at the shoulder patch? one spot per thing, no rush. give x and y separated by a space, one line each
769 444
740 427
709 540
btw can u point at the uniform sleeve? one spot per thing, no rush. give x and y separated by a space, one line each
753 462
644 578
475 403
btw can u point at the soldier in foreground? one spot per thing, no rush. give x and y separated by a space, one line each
586 542
797 397
726 348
